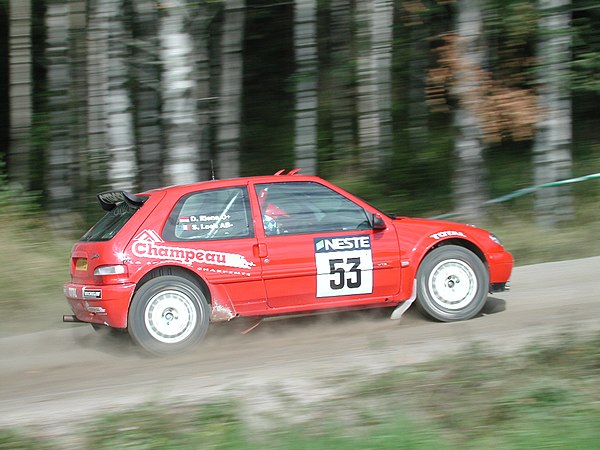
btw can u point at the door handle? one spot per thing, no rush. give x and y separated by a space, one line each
260 250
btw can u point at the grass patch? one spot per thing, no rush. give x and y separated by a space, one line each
34 268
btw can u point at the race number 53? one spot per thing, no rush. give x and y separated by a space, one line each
344 266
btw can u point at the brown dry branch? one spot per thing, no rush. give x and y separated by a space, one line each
506 110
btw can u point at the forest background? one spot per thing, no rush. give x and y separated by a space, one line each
422 107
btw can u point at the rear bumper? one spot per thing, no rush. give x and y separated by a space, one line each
106 304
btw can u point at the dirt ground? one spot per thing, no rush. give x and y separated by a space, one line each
52 380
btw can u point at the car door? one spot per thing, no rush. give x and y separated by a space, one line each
212 232
319 249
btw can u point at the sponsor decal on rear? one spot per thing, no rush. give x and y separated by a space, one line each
92 294
344 265
148 244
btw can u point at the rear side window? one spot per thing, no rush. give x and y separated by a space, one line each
109 225
209 215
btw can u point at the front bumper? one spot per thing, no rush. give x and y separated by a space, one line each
500 265
106 304
499 287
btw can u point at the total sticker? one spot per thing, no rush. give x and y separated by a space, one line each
344 265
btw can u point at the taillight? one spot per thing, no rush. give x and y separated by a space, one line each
81 264
111 274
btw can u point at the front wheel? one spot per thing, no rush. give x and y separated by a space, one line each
168 314
452 284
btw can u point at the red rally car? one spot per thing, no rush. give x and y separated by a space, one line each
165 263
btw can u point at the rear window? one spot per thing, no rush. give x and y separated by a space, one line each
109 225
209 215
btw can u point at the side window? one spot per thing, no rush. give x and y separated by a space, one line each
209 215
306 207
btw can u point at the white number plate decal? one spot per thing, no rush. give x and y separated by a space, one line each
344 265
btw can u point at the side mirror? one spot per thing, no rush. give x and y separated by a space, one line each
377 222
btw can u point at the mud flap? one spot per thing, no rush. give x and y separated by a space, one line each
403 307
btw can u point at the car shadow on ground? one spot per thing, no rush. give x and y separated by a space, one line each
493 306
106 340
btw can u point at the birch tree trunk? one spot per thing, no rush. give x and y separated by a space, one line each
305 46
341 82
122 165
78 92
418 126
374 78
383 17
230 95
552 148
20 91
201 40
179 95
60 166
369 127
469 171
97 85
147 73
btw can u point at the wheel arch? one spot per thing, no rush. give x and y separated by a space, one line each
469 245
176 271
409 274
217 296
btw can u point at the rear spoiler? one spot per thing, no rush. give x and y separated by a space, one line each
109 200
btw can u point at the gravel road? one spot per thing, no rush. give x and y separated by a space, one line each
53 379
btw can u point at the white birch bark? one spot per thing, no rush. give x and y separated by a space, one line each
97 85
78 92
552 148
341 82
305 46
369 129
201 40
179 95
230 92
418 126
60 165
122 165
147 72
374 82
20 91
382 36
469 171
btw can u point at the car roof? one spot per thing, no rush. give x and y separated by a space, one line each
220 183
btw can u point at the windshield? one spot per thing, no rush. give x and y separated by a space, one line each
109 225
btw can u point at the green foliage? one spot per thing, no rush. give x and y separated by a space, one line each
33 263
17 204
586 48
152 427
15 440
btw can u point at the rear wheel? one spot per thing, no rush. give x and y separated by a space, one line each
452 284
168 314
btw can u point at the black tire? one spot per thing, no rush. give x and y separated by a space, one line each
452 284
168 314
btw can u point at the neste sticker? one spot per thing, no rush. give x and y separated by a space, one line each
344 265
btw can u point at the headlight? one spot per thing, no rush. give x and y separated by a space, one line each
494 238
